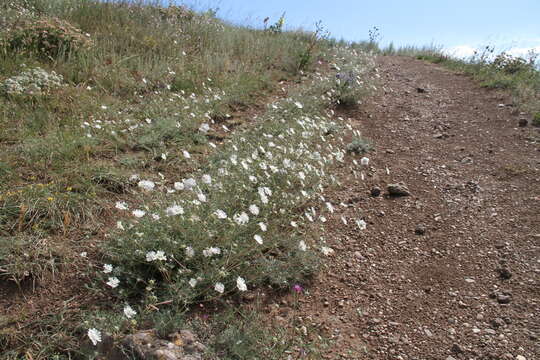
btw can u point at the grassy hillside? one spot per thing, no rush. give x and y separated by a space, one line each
156 161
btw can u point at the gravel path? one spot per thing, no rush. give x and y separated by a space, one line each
451 271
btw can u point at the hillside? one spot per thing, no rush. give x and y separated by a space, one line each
174 186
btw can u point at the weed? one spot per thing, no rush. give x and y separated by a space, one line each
359 146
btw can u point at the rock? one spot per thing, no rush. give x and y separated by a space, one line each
490 331
450 358
498 323
504 273
146 345
523 122
420 230
504 299
375 191
399 189
421 90
521 357
456 349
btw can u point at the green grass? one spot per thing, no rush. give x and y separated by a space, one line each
148 93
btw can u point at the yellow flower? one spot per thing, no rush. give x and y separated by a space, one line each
50 198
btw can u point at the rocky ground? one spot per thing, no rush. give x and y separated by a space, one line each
450 271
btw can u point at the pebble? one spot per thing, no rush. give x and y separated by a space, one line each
399 189
375 191
504 299
521 357
420 230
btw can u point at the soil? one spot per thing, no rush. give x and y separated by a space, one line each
451 271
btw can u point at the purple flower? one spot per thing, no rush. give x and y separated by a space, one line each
298 288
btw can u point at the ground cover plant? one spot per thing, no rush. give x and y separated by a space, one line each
156 159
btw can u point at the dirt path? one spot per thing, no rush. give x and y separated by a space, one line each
468 287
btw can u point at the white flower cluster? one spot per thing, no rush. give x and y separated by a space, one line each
31 82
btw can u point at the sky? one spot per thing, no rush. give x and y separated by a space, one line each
456 25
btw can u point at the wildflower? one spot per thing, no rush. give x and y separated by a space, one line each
258 239
220 214
241 219
146 185
364 161
302 245
190 252
297 288
156 217
361 224
322 218
192 282
207 179
262 226
327 250
107 268
94 335
330 207
241 284
294 224
219 287
189 183
119 225
83 254
129 312
174 210
204 128
201 197
138 213
254 209
179 186
186 154
113 282
299 105
121 205
211 251
156 255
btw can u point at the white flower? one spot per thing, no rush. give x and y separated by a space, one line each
192 282
129 312
211 251
298 105
327 250
322 218
189 183
113 282
107 268
294 224
302 245
258 239
252 178
186 154
241 219
220 288
330 207
174 210
190 252
201 197
262 226
364 161
179 185
94 335
138 213
146 185
156 255
207 179
254 209
241 284
121 205
204 128
156 217
361 224
220 214
83 254
119 225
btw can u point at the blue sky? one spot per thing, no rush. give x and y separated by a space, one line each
454 24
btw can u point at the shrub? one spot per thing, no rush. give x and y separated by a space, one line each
31 82
359 146
47 37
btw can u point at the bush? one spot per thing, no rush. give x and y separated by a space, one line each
47 37
31 82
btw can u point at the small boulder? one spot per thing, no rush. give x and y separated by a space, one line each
399 189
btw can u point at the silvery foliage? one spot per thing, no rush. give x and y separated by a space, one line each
33 82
